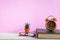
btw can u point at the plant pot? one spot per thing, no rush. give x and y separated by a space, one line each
27 30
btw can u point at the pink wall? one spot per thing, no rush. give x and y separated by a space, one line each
15 13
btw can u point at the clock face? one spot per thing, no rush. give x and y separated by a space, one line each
51 25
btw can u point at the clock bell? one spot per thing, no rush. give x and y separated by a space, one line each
51 23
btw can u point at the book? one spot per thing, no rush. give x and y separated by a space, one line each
43 33
24 34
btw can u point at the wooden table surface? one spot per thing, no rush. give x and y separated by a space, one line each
15 36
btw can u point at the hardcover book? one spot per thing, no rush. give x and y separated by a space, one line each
43 33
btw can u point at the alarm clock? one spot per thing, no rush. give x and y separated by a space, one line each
51 23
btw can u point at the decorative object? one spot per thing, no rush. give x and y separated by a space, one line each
51 23
27 33
27 29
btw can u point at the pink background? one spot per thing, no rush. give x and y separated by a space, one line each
15 13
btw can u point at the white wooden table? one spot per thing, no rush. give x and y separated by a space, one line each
15 36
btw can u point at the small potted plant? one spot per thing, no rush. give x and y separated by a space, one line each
27 28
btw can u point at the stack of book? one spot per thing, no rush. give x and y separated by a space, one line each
43 33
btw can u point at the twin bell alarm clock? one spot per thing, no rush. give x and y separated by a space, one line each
51 23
